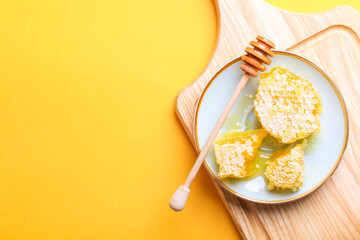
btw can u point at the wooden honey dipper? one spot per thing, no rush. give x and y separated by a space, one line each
254 60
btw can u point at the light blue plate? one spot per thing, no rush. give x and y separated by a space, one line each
324 150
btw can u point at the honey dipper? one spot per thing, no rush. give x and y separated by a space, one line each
254 59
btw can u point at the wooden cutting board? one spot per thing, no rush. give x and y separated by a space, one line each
329 39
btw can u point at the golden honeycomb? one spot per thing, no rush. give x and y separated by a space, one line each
287 106
235 152
286 168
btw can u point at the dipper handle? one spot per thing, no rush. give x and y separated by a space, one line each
254 60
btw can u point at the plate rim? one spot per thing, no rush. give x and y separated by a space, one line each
343 147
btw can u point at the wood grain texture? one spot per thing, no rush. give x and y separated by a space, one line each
330 39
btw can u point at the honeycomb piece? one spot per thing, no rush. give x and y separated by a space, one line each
286 168
287 106
235 152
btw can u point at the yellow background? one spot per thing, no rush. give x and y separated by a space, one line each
90 146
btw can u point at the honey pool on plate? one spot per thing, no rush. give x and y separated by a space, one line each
288 108
243 118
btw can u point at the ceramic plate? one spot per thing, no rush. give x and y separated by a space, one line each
324 150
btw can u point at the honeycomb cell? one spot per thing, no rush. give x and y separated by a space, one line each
235 152
286 168
287 106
